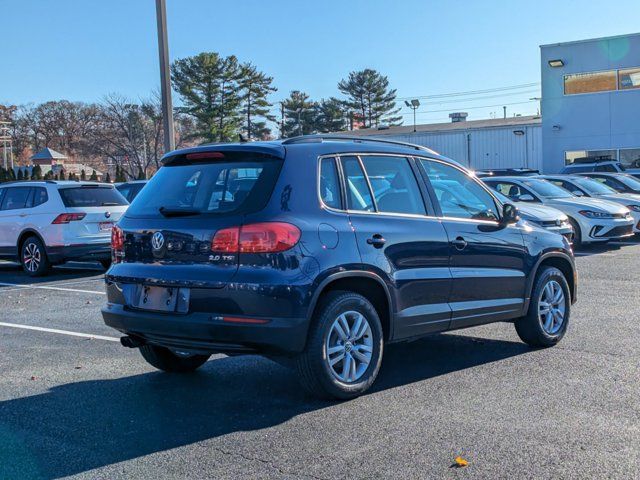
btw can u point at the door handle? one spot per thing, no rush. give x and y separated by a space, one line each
23 215
377 241
460 243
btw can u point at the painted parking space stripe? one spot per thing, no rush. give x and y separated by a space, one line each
45 287
61 332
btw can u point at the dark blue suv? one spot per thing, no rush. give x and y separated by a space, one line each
321 250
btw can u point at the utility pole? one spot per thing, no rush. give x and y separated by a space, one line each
281 119
504 112
165 77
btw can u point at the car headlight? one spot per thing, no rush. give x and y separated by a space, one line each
634 208
592 214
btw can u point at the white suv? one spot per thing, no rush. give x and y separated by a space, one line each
48 222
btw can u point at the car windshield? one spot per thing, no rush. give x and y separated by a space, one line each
629 181
546 189
241 182
593 187
91 196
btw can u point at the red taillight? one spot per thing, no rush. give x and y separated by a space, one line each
68 217
267 237
117 244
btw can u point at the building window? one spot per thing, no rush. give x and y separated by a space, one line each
629 78
630 157
585 156
590 82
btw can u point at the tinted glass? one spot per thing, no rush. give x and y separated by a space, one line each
125 190
592 187
329 184
215 187
590 82
629 78
91 196
458 194
39 196
358 194
15 198
394 185
630 157
611 182
510 190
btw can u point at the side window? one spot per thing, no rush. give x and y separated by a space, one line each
125 191
458 194
358 194
394 185
610 182
510 190
329 184
15 198
605 168
39 196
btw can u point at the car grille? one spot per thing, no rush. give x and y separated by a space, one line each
620 231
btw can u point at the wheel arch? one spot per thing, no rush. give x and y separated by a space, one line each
26 233
562 262
369 285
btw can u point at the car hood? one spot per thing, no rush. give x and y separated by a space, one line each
586 203
624 198
539 212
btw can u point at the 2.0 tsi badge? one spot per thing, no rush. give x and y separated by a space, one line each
157 241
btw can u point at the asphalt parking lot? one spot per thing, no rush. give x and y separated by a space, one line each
74 403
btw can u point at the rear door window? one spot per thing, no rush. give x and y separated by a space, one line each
358 193
239 185
15 198
91 196
394 185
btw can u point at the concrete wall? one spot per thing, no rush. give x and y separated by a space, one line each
591 121
483 148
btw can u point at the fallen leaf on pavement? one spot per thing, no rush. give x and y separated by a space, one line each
460 462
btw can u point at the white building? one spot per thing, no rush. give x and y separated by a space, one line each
512 142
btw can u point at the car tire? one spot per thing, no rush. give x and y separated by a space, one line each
164 359
106 264
577 233
322 372
551 295
33 257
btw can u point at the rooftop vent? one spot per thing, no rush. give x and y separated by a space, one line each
458 117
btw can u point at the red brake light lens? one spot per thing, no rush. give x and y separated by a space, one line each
204 155
117 244
68 217
266 237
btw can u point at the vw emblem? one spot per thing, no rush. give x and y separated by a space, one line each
107 214
157 241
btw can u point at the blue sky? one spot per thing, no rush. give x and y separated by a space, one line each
84 49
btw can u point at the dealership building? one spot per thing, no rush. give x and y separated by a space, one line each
590 108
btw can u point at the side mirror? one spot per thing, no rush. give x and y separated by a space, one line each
578 193
526 198
510 214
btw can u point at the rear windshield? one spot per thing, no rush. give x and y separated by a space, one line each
238 184
91 196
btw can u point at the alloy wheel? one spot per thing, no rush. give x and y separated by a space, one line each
32 257
552 308
349 346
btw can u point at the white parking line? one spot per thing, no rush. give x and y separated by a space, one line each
19 286
61 332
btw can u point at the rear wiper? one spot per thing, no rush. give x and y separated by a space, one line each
178 212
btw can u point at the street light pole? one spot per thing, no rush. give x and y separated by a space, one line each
413 105
165 78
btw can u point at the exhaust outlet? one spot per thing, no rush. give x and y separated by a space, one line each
131 342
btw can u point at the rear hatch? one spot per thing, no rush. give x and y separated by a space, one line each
92 211
169 228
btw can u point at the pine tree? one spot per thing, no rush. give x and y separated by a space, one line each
330 116
61 174
107 178
3 175
255 87
83 175
20 174
299 115
368 94
209 86
12 175
36 172
94 176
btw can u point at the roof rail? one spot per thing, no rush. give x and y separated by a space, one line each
14 182
350 138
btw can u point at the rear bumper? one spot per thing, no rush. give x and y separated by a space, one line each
208 333
95 251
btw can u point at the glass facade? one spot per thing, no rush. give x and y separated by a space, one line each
604 81
629 78
629 157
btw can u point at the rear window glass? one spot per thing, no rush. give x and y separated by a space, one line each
91 196
217 187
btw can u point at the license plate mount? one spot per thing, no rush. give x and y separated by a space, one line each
105 226
158 299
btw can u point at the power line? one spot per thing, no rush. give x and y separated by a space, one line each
471 108
485 97
474 92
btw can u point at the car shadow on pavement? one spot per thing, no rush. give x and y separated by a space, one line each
85 425
12 273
